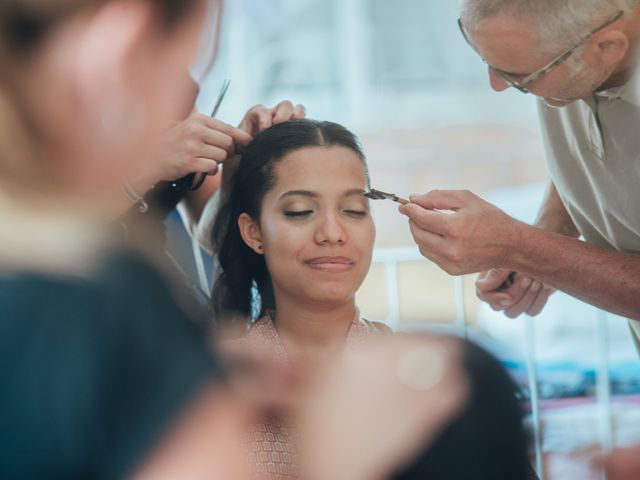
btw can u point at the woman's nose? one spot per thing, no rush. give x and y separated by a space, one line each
497 83
331 231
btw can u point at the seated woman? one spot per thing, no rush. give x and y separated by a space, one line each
295 240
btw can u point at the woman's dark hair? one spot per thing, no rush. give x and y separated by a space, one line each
243 288
487 440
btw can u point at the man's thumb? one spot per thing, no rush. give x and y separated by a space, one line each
492 280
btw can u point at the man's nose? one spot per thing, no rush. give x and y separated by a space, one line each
497 83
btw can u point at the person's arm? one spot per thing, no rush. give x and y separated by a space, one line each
198 144
478 237
604 278
526 294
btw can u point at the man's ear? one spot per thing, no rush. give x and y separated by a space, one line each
250 233
607 48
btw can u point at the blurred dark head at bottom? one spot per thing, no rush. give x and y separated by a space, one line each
487 440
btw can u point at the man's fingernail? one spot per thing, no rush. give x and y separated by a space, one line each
526 283
505 303
536 287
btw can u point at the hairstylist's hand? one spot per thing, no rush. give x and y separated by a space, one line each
382 402
260 118
525 295
461 232
198 144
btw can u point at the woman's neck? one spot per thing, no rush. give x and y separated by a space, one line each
313 332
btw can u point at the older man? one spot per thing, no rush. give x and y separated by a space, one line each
579 57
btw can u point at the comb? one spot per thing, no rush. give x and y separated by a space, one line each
374 194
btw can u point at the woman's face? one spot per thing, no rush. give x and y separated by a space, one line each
316 228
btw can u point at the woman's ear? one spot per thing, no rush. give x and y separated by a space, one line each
607 49
250 233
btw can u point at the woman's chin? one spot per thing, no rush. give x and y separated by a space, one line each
330 297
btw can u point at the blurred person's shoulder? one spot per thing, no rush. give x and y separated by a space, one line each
120 295
104 349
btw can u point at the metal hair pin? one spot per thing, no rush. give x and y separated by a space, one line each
216 107
378 195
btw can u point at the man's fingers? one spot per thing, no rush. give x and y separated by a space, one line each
443 199
541 301
430 244
519 289
428 220
526 302
492 280
497 301
487 287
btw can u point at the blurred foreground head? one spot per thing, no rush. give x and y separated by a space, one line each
86 85
413 407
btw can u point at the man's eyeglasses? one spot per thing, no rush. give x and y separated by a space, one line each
538 74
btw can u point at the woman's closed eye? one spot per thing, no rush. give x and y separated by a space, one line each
297 213
358 213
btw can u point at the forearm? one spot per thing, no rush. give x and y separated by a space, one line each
607 279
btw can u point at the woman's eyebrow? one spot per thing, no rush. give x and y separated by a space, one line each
308 193
354 192
299 193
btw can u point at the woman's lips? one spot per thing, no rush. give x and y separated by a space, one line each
330 264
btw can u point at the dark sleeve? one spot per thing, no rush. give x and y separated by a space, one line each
106 368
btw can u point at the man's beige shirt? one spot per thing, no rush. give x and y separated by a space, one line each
593 152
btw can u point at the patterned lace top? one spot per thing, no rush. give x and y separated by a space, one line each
271 446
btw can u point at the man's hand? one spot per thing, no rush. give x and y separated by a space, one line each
198 144
461 232
260 118
525 295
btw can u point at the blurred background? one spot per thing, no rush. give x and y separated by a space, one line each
400 76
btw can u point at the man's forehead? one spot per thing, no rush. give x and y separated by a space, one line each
508 43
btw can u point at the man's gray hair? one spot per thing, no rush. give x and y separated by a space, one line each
559 23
